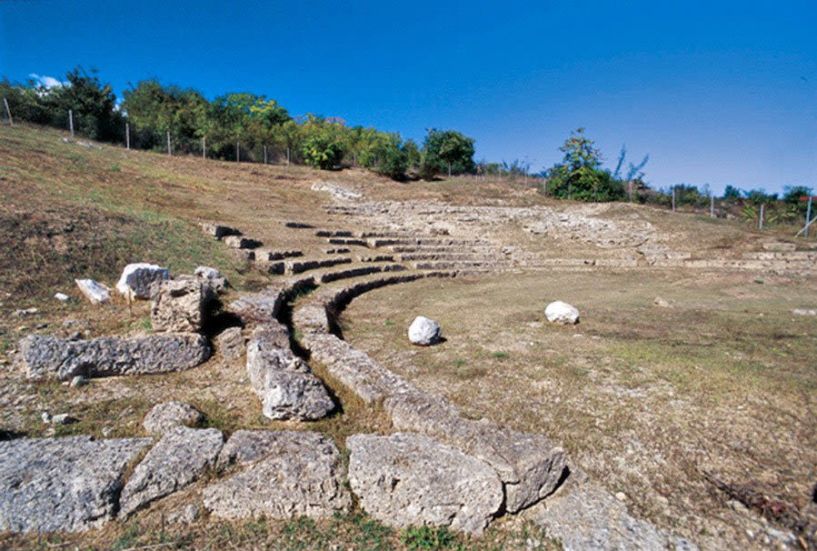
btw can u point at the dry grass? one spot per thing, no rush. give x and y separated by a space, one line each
646 399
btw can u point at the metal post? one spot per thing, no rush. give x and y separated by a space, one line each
265 154
71 122
204 147
673 199
760 217
8 111
127 136
237 157
808 216
712 206
169 151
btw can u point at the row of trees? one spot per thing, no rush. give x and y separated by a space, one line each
235 126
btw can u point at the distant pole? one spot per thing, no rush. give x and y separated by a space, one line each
287 156
127 136
712 206
169 151
204 147
449 169
8 111
673 199
265 154
237 158
808 216
760 217
71 122
630 190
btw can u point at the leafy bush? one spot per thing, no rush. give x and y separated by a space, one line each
448 152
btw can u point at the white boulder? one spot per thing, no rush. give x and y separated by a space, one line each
137 278
561 312
424 331
94 291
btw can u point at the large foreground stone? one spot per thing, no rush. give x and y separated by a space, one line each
411 479
529 465
180 306
136 279
62 484
46 357
287 387
179 458
584 516
286 474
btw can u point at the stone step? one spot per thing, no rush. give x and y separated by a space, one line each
781 255
298 225
347 241
359 271
441 265
434 241
441 249
334 233
447 256
376 258
268 255
337 250
300 266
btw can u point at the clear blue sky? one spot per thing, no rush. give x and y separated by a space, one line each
715 92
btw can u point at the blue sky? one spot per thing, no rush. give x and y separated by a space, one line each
716 92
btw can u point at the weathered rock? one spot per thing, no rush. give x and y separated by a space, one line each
661 302
79 381
46 357
561 312
179 306
231 343
529 465
212 278
164 417
62 297
179 458
287 474
410 479
241 242
136 279
184 515
285 384
94 291
218 230
804 311
584 516
424 331
64 419
62 484
258 307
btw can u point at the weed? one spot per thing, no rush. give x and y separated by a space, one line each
501 355
427 537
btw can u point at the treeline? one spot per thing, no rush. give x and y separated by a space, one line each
235 126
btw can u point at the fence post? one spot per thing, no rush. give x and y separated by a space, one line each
71 122
712 206
204 147
760 217
808 216
8 111
127 136
673 199
265 154
287 156
169 151
237 157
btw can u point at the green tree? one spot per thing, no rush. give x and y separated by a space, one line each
447 150
731 193
579 175
322 145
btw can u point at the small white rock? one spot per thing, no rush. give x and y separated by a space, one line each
424 331
62 297
94 291
63 419
804 311
46 417
206 272
79 380
561 312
